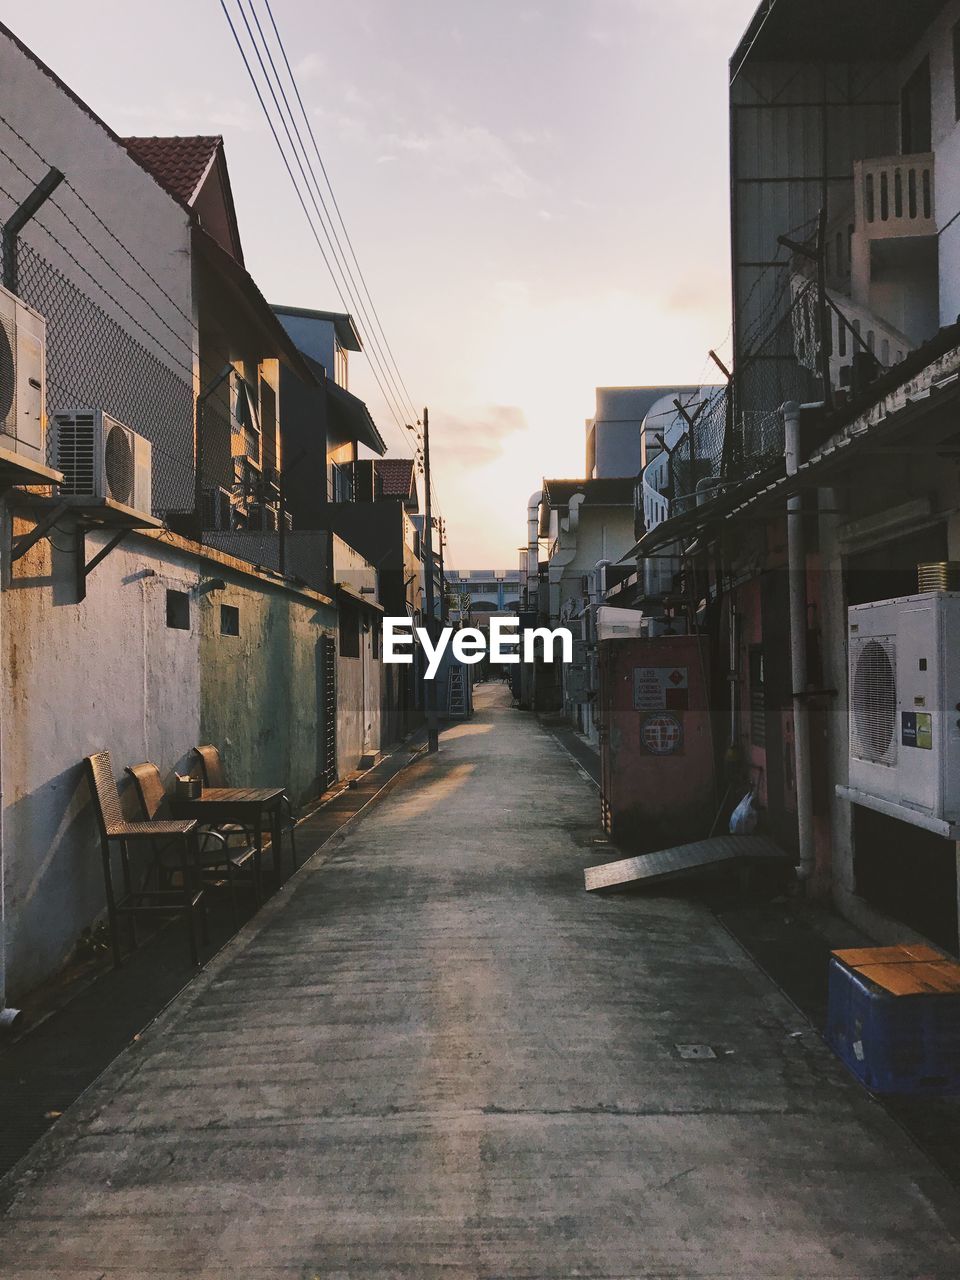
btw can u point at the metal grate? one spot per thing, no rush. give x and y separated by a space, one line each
75 453
873 707
8 374
118 464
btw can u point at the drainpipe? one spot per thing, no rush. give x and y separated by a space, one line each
533 545
797 574
8 1017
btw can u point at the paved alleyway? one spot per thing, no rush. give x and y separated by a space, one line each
435 1055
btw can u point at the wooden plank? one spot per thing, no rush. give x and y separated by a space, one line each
857 957
680 860
921 978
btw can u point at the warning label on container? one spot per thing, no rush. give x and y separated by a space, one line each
660 688
661 734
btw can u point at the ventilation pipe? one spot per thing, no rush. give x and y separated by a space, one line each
797 574
8 1017
533 546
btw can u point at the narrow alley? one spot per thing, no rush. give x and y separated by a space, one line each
435 1055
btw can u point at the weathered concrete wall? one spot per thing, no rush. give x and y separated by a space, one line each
108 673
260 689
78 678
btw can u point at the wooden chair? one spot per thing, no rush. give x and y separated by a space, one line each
215 858
214 775
184 899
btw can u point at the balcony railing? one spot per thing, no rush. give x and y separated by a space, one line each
894 196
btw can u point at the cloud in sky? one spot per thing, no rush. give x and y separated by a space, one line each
478 439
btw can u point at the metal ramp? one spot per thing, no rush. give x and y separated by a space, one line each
648 868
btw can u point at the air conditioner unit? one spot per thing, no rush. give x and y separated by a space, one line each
102 459
904 692
22 349
659 571
218 509
262 518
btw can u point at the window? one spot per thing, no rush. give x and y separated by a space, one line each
349 629
178 610
340 366
245 412
375 639
342 483
916 131
229 620
268 412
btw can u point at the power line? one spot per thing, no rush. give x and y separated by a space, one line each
335 203
397 415
395 407
334 239
393 401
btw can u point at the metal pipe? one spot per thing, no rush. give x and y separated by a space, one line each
797 577
734 673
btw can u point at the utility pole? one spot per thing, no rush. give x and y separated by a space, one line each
429 688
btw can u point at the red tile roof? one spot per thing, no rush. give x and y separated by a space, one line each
395 476
178 164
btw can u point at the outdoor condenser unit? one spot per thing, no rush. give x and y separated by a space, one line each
102 459
22 348
217 509
904 692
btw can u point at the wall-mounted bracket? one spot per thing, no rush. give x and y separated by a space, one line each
20 546
84 566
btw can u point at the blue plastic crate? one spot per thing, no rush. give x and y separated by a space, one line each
894 1044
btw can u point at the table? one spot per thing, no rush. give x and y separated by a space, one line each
245 806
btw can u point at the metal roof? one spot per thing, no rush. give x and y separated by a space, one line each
832 31
342 322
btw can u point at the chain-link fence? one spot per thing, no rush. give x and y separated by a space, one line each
699 457
92 363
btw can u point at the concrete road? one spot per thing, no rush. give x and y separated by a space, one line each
436 1056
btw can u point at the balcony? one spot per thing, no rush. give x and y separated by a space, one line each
894 197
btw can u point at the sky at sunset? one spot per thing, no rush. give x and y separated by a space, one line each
537 194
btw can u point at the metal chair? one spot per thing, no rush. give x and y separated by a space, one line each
214 775
183 900
214 862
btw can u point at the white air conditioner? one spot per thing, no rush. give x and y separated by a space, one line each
22 348
102 459
904 692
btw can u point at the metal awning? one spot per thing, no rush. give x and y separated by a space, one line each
842 31
355 417
358 597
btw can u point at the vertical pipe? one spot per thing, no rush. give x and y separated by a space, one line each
429 686
796 565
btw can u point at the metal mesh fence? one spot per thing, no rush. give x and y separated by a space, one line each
700 455
93 363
